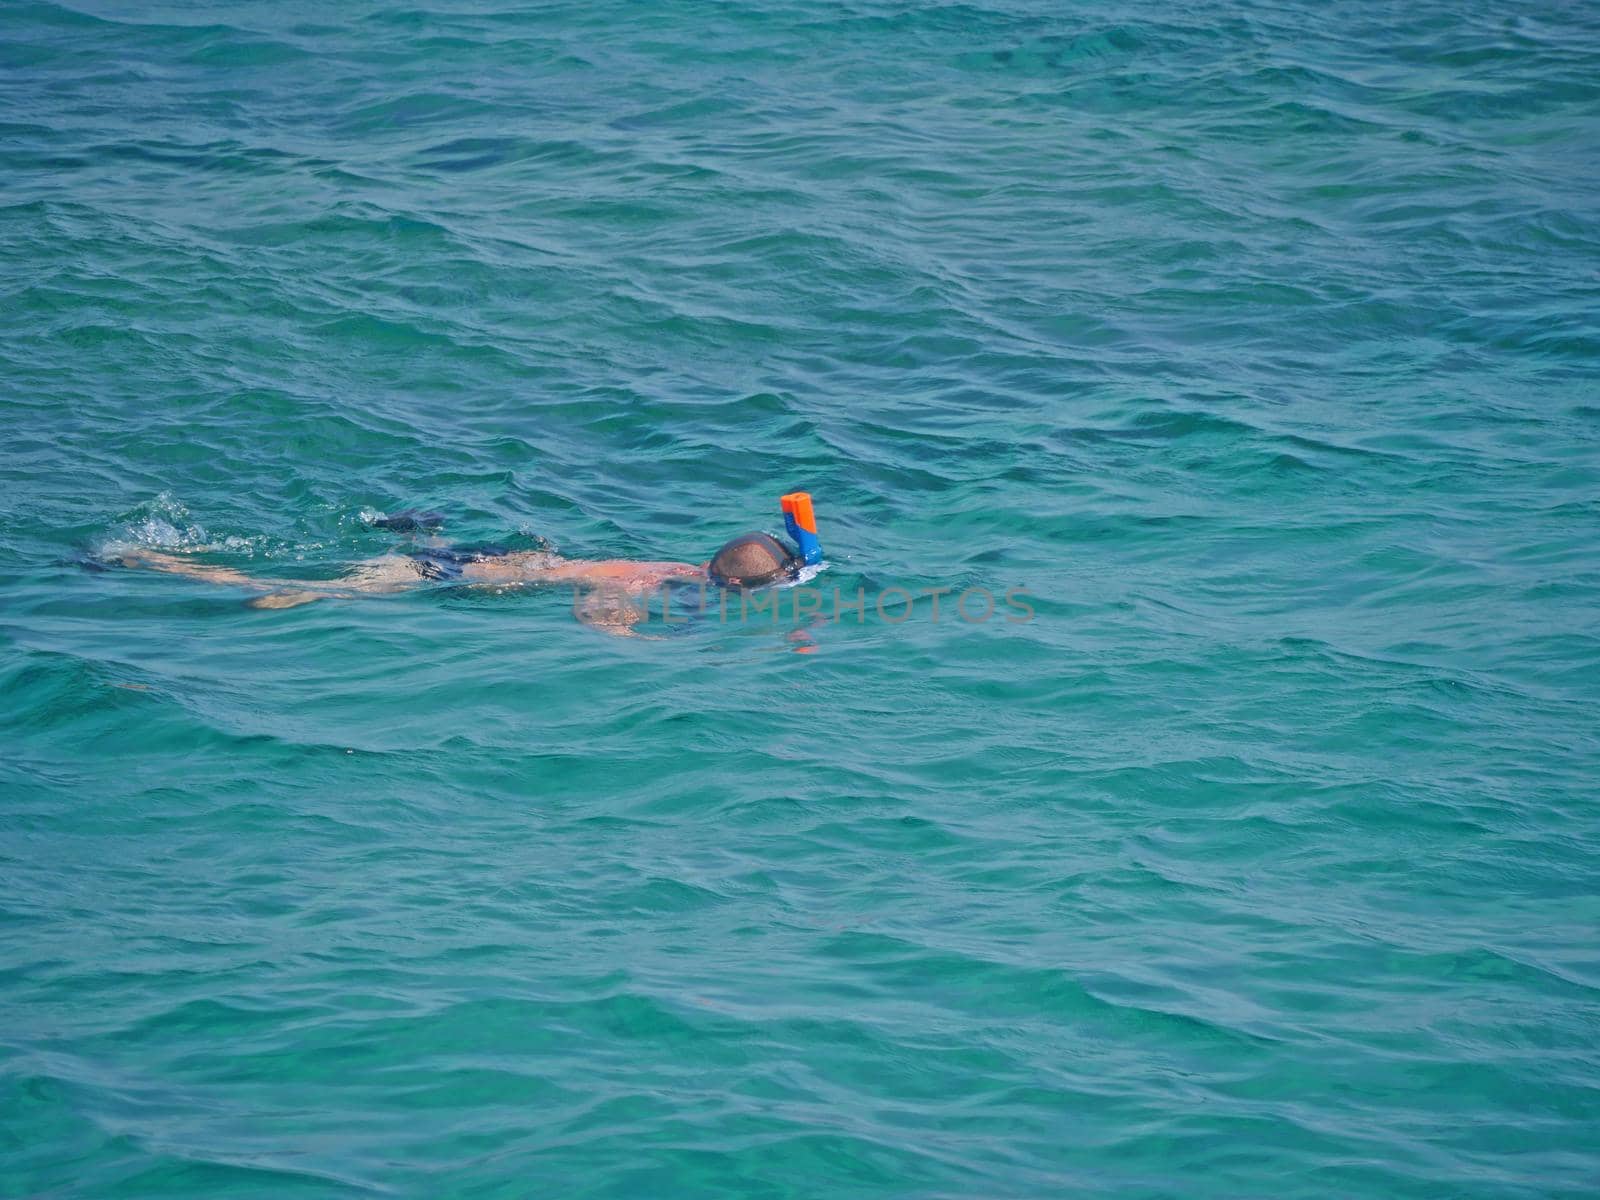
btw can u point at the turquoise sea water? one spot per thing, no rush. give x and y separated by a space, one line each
1258 341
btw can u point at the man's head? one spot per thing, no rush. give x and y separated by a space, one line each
751 560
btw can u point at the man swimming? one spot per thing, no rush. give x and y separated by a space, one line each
606 591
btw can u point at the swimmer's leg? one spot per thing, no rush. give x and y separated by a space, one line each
377 576
155 560
374 577
390 573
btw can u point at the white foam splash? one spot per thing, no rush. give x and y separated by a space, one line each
806 575
164 523
161 523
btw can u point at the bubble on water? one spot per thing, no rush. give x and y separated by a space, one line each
291 550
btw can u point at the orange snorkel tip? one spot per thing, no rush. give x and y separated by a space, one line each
801 522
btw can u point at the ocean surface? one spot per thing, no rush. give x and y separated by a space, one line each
1254 855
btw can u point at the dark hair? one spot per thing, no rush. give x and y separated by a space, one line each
751 560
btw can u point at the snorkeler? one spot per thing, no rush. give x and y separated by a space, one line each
604 588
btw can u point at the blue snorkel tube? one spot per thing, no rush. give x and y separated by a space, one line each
801 523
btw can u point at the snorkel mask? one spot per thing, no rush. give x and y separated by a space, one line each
754 560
